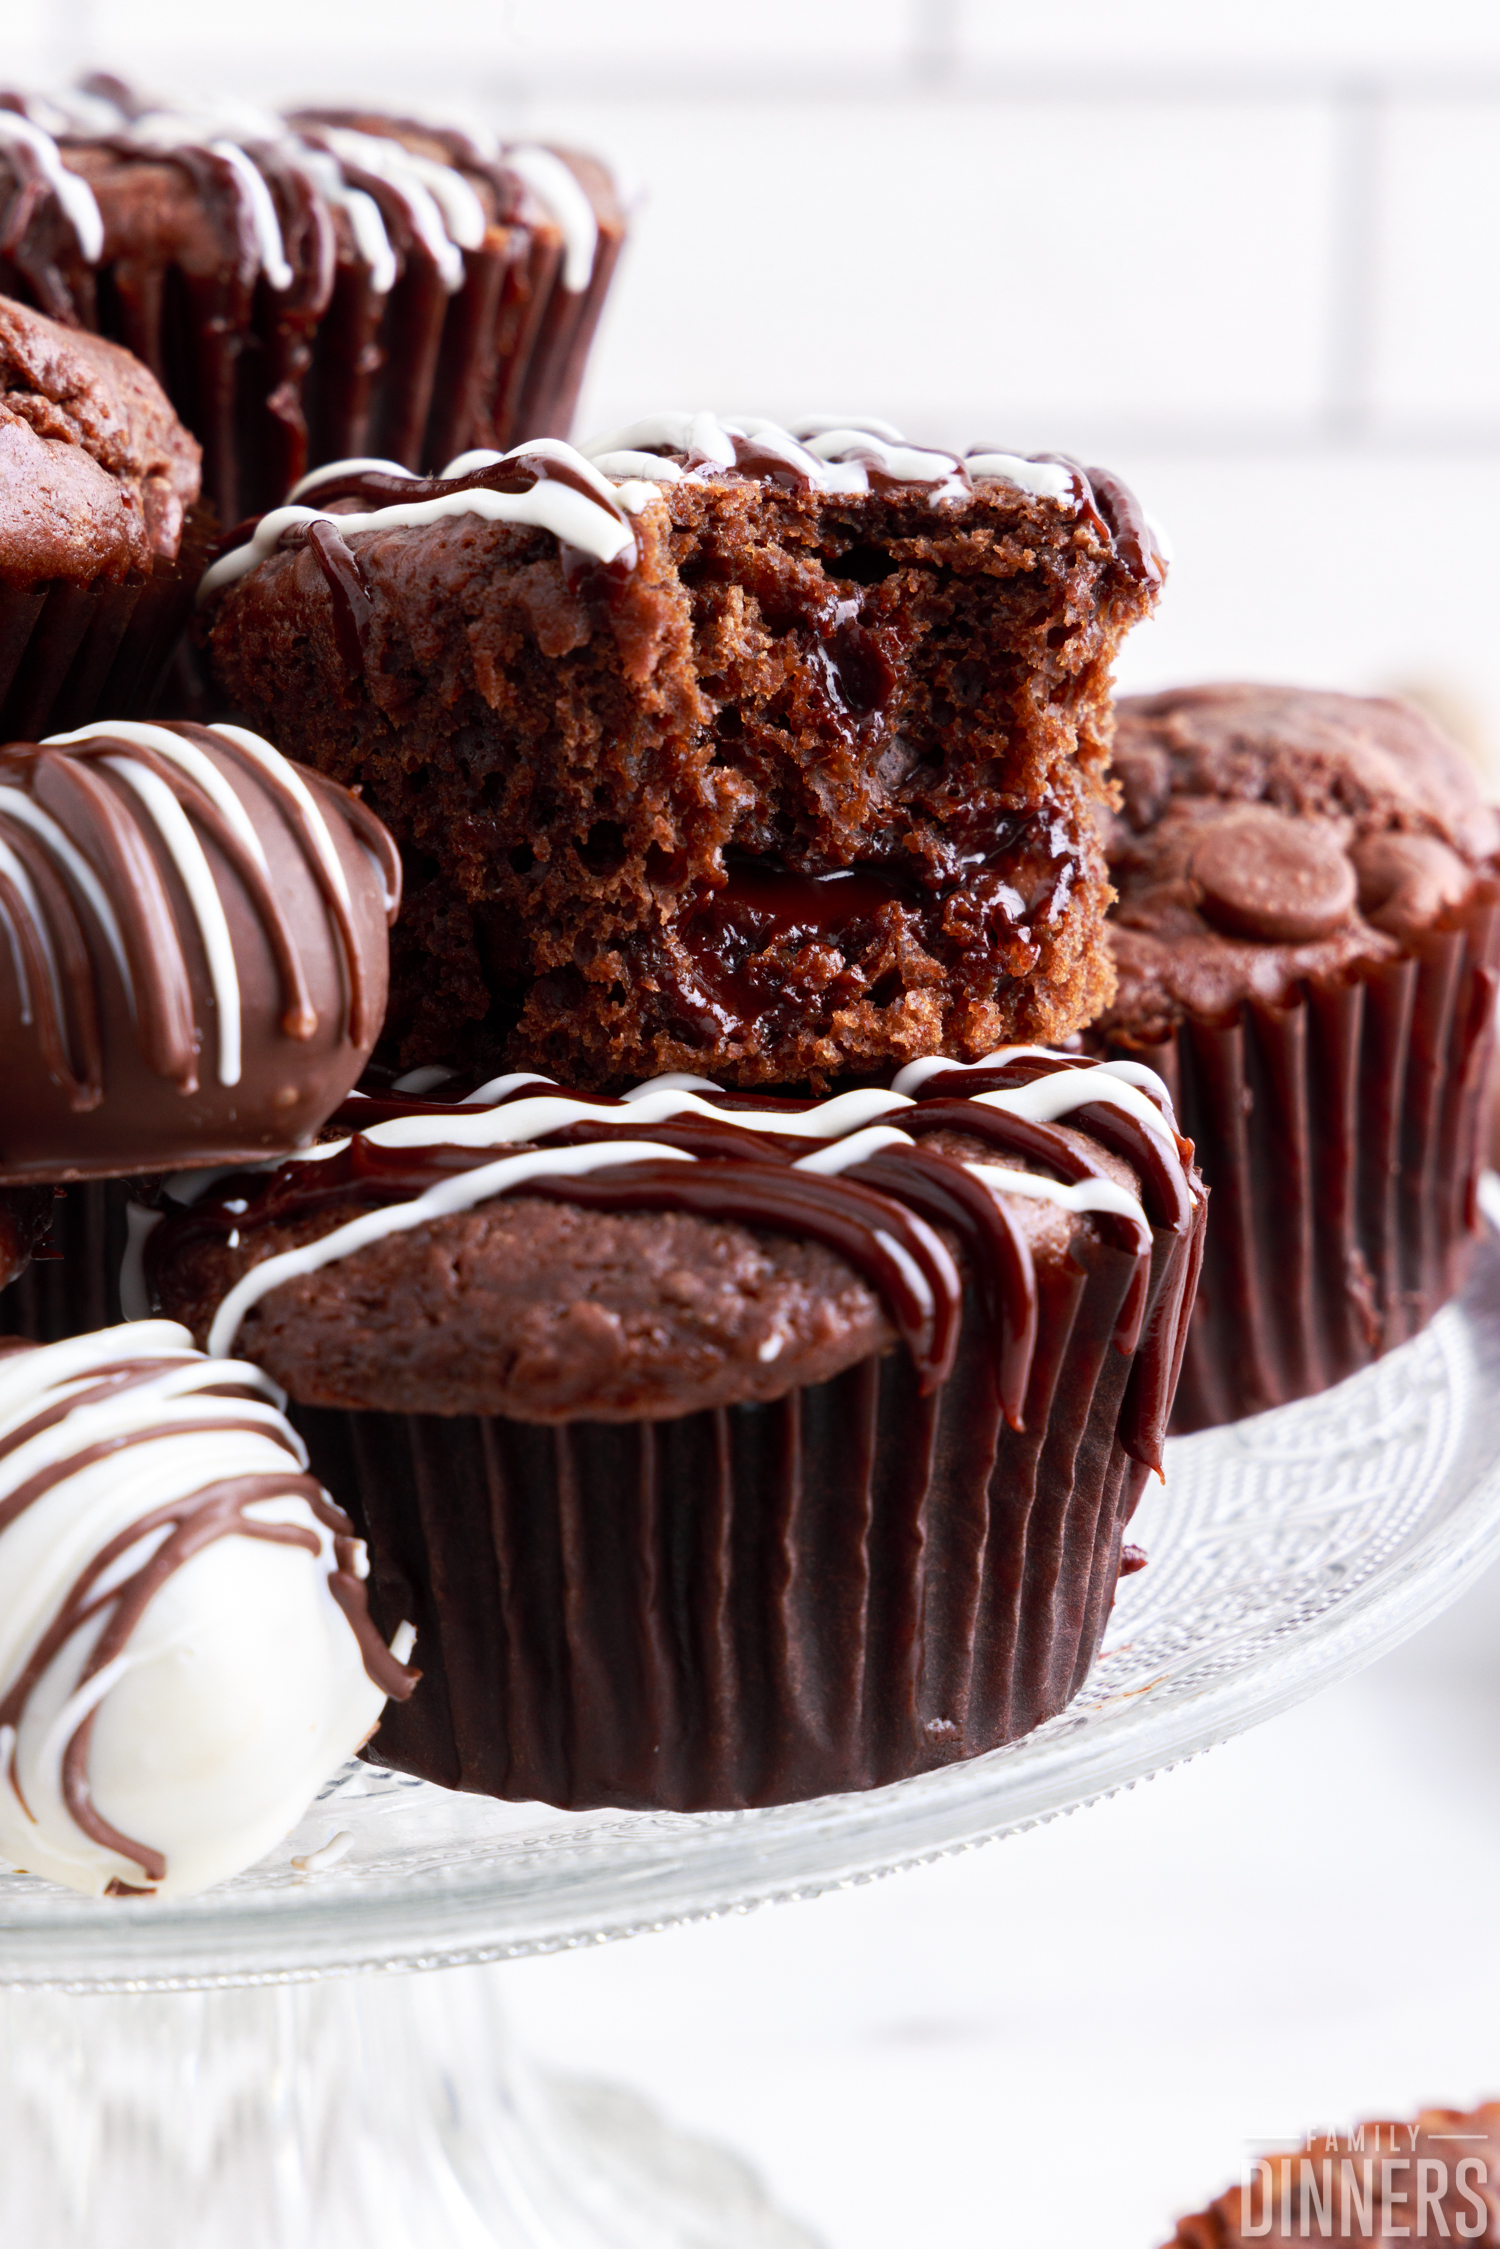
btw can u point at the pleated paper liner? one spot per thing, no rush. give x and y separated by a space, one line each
71 653
73 1286
764 1603
1342 1137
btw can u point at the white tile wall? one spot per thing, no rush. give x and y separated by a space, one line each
981 267
1373 572
1438 304
1347 34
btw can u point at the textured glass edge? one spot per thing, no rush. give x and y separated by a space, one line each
800 1851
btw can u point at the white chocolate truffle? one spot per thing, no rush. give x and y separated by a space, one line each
185 1649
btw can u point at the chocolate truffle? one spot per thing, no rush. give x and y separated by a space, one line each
311 286
97 476
724 748
182 1603
192 950
723 1451
1307 939
1434 2179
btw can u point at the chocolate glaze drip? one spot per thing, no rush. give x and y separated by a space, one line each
374 488
348 593
217 1510
1108 502
999 1260
1126 519
747 1173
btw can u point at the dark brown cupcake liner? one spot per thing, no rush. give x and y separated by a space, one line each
58 643
1342 1136
762 1603
72 1285
71 653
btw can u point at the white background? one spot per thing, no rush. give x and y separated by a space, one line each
1250 255
1067 2039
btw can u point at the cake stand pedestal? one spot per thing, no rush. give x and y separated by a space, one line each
358 2113
218 2071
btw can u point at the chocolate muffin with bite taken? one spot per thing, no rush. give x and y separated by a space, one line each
723 1450
716 746
1307 936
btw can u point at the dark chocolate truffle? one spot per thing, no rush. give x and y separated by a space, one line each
1307 940
720 749
192 950
723 1451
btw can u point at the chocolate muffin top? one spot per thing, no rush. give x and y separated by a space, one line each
550 1256
96 471
1266 834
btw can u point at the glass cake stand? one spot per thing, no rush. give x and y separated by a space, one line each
217 2069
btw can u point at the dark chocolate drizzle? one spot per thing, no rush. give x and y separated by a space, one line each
746 1173
349 596
1105 500
1099 497
216 1510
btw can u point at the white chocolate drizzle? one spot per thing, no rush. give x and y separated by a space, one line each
458 1194
851 1122
561 195
626 469
445 214
74 195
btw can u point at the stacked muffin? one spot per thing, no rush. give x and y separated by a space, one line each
723 1448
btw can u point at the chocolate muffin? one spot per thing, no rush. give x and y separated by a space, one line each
310 286
722 748
195 975
97 478
721 1454
1436 2179
1307 939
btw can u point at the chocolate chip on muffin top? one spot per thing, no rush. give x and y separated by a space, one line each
1267 834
